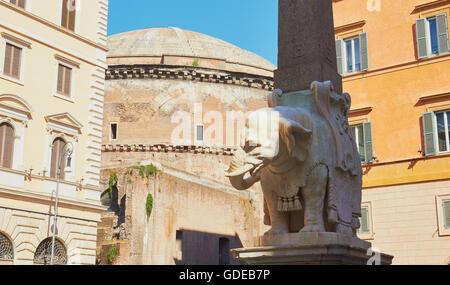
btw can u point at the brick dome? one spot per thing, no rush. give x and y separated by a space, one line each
174 46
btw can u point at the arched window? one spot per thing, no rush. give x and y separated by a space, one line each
6 248
6 145
43 252
57 151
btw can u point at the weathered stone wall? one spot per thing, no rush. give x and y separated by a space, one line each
143 108
202 210
200 165
191 194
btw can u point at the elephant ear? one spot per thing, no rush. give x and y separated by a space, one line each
296 137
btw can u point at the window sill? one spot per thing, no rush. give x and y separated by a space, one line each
12 79
65 98
438 154
354 73
430 56
369 236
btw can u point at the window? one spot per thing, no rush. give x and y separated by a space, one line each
446 213
20 3
6 248
199 133
362 135
224 251
6 145
443 214
68 14
364 221
57 151
113 131
13 59
436 127
44 252
64 80
352 54
432 36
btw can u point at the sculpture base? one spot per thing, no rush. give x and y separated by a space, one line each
310 249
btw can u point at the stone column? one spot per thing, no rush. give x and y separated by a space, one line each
306 45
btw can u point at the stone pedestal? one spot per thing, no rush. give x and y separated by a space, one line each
310 249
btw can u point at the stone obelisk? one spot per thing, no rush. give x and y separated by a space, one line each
306 45
306 65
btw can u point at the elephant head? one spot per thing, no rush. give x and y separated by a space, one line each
275 137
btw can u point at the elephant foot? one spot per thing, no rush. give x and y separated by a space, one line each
313 228
277 231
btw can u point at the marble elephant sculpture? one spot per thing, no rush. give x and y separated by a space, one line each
292 160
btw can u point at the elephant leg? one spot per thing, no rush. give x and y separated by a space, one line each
279 220
314 196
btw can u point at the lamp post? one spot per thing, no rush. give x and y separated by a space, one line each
66 151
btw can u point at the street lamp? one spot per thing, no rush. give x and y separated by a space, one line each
66 151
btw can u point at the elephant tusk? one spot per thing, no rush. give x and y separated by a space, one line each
240 171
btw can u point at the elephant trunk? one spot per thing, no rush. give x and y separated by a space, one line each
238 168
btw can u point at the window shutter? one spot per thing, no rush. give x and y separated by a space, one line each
446 209
6 145
368 141
54 163
442 30
2 143
429 133
8 58
65 14
72 19
364 51
340 56
57 148
17 58
9 146
67 80
22 3
60 78
421 34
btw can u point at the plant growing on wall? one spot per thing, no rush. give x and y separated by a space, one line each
112 181
147 171
149 205
195 63
112 254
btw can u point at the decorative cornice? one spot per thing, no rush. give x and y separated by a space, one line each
431 4
16 40
434 96
227 151
350 26
67 61
360 110
188 73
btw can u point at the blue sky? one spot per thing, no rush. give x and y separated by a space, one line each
248 24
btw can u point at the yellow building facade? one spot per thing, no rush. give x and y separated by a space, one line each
52 66
395 62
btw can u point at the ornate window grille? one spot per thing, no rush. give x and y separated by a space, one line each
44 252
6 248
